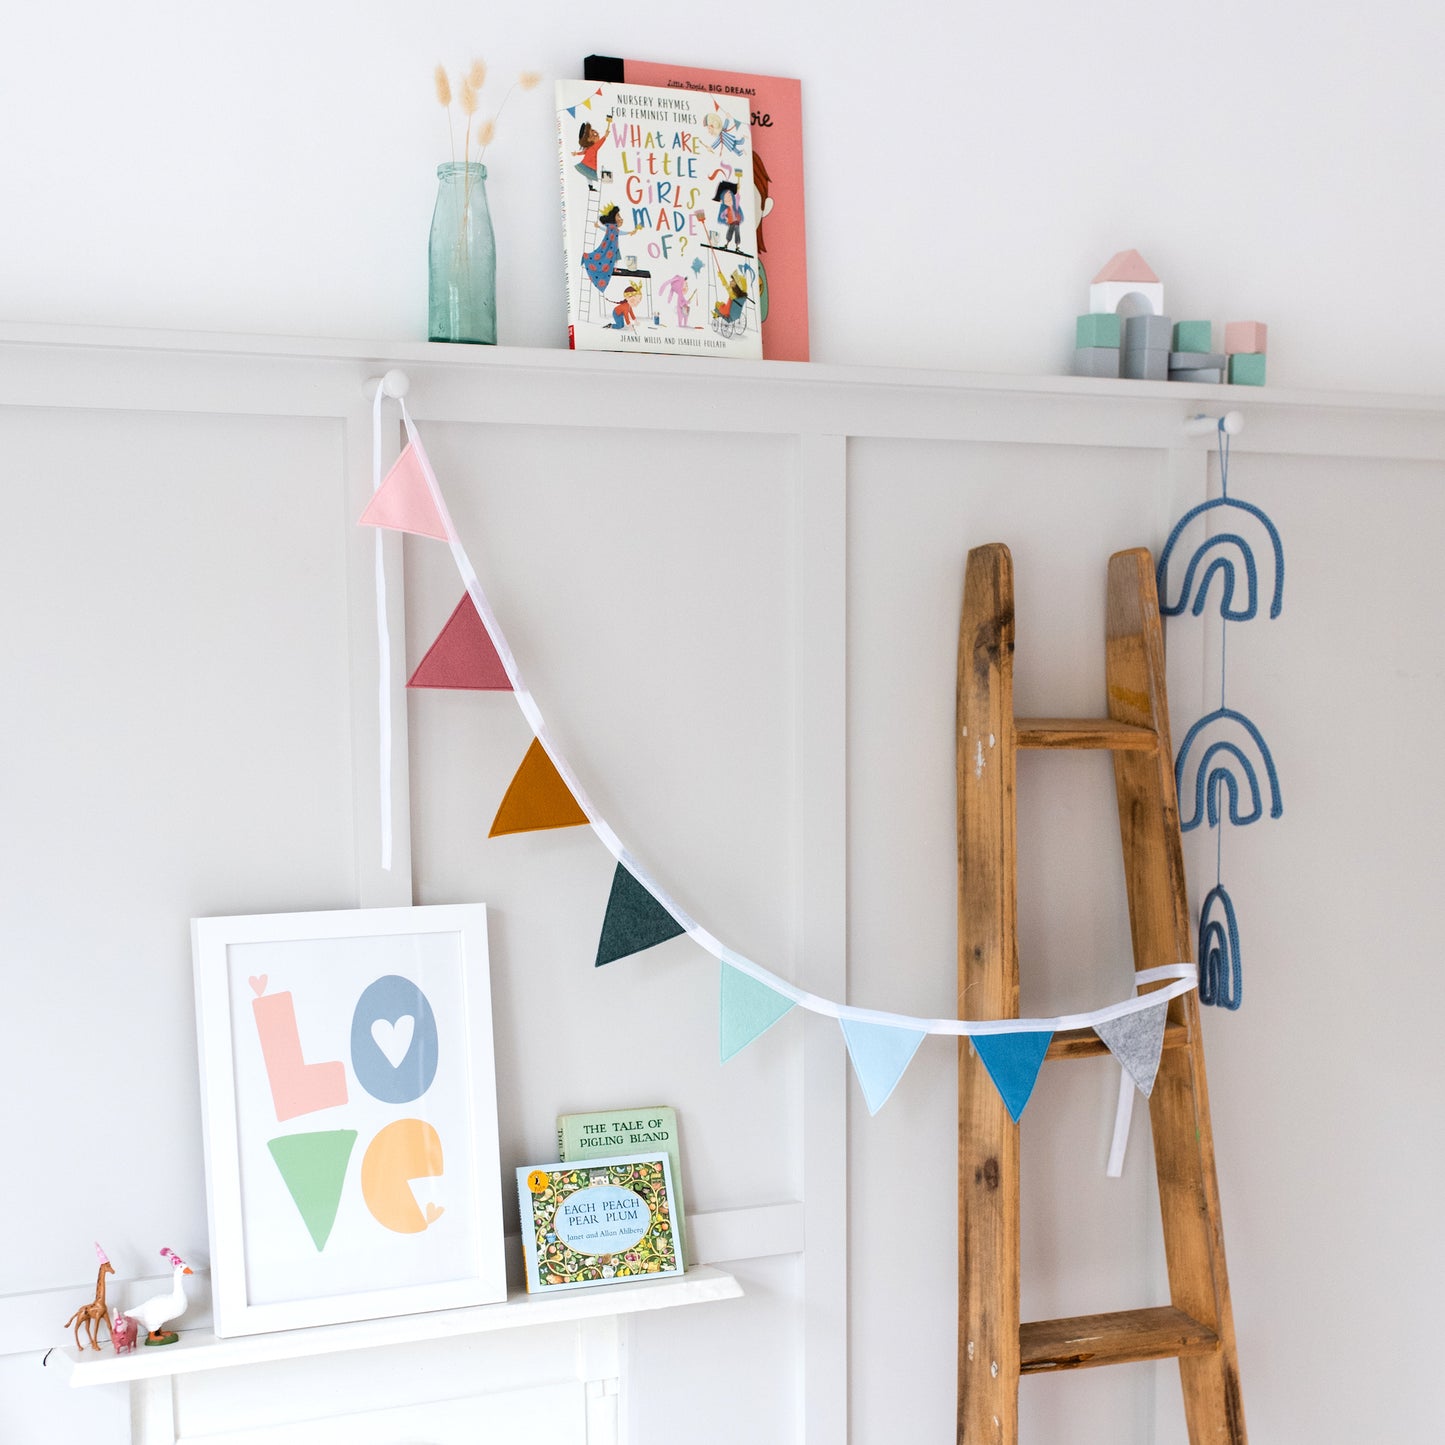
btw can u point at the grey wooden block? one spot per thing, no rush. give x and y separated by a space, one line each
1096 361
1148 333
1205 375
1196 361
1145 365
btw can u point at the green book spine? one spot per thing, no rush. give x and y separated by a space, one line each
626 1131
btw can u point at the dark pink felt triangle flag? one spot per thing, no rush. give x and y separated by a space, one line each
403 502
462 655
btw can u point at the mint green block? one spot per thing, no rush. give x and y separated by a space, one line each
1099 328
1193 336
1247 369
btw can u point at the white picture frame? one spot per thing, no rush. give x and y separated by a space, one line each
349 1115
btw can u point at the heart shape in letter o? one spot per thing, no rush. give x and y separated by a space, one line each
394 1040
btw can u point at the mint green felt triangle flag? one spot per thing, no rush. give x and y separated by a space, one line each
880 1053
634 920
746 1008
313 1167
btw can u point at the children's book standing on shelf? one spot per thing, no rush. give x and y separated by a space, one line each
776 109
598 1223
658 221
613 1132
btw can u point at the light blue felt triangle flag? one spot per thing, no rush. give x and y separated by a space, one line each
1013 1062
746 1008
880 1053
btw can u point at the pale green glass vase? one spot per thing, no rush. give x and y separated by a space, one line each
462 294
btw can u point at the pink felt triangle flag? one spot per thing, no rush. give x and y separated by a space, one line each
403 502
462 655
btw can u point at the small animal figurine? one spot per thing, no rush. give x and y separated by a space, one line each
93 1315
163 1308
123 1332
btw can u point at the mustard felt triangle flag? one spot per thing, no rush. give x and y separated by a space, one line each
880 1054
635 920
403 502
463 655
746 1008
536 798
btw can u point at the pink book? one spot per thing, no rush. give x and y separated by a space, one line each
777 135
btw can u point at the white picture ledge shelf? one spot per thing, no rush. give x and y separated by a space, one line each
198 1350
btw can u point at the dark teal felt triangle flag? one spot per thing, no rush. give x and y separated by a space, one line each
1013 1062
635 920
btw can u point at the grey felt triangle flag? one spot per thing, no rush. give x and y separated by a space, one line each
1137 1040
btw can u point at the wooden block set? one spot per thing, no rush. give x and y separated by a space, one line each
1126 333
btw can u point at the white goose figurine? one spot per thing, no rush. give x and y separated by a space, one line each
164 1307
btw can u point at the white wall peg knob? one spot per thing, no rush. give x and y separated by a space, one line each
395 384
1232 423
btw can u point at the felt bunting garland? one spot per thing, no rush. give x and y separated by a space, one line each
404 503
536 798
1137 1041
462 656
471 653
635 920
1013 1062
746 1008
880 1055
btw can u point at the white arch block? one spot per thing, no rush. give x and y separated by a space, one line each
1106 295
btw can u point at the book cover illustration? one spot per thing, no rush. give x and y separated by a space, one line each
615 1132
659 224
593 1224
776 111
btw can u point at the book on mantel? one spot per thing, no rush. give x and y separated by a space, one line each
626 1131
775 106
658 220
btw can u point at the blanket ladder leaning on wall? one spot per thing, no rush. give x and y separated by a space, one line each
994 1349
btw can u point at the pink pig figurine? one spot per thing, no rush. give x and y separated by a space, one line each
123 1332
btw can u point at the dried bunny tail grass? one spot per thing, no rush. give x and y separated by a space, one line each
530 79
443 85
486 133
469 100
477 75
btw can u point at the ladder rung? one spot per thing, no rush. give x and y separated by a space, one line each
1086 1044
1084 732
1112 1339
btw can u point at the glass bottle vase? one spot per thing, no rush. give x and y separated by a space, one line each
462 290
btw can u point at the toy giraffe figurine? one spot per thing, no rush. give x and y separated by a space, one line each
93 1315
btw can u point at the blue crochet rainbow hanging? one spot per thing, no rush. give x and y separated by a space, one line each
1219 763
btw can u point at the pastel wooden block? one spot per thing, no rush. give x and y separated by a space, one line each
1196 361
1141 295
1193 335
1245 336
1203 376
1147 333
1096 361
1097 329
1145 365
1247 369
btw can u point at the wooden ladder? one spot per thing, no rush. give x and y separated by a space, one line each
1197 1327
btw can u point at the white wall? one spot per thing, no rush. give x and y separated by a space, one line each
268 168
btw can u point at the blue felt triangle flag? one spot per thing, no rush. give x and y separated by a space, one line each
746 1008
1013 1062
880 1053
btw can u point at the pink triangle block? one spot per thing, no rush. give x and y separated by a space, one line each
462 657
403 502
1126 266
